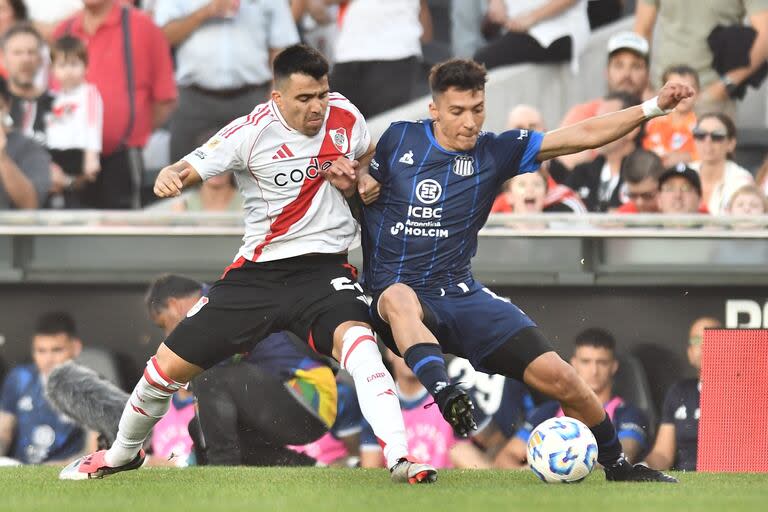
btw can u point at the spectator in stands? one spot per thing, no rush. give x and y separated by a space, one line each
31 431
317 25
430 437
559 197
748 200
599 182
24 165
627 71
133 111
715 136
523 194
536 32
378 52
594 359
224 50
74 125
640 173
677 439
680 191
684 30
671 136
30 104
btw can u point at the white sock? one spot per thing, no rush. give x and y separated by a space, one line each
375 388
148 403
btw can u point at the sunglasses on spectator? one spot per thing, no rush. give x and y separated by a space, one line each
645 196
715 136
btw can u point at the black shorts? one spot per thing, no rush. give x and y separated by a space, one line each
308 295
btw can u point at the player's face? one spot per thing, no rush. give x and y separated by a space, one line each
170 316
644 195
303 101
459 117
627 72
51 350
528 192
596 365
678 195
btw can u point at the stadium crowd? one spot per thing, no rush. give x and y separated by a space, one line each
87 84
192 66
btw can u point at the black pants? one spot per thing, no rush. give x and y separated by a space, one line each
378 85
603 12
519 48
118 185
248 416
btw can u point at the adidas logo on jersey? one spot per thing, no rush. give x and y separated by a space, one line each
407 158
283 152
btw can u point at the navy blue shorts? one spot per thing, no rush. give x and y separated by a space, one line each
468 320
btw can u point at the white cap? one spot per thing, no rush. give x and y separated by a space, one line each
629 41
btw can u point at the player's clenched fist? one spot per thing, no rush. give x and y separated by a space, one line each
342 174
673 93
368 188
170 180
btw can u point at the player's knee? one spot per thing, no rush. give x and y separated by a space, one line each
569 387
397 302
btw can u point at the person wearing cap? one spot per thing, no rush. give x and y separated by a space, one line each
536 31
679 191
25 177
684 27
627 71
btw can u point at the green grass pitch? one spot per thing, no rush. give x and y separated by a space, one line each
314 489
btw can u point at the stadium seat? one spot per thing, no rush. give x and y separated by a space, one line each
631 384
102 361
663 367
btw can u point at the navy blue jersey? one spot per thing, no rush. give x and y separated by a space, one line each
42 434
681 409
422 231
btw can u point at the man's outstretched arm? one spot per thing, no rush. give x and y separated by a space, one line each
599 131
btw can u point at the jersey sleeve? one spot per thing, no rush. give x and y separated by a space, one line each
9 393
387 145
368 439
223 152
348 417
537 416
95 119
632 423
672 401
515 152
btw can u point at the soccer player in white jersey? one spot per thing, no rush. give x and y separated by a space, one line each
291 272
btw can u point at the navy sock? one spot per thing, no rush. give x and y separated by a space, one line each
608 446
427 362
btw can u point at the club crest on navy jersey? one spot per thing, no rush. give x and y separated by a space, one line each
339 139
463 166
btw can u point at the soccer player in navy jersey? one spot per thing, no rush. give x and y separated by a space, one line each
438 179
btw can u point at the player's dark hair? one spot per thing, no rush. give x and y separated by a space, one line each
626 99
462 74
21 28
682 70
299 58
595 337
56 322
69 46
639 165
169 286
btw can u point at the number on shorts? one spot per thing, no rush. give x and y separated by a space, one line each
345 283
489 389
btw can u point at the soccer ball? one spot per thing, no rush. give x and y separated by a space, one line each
562 450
